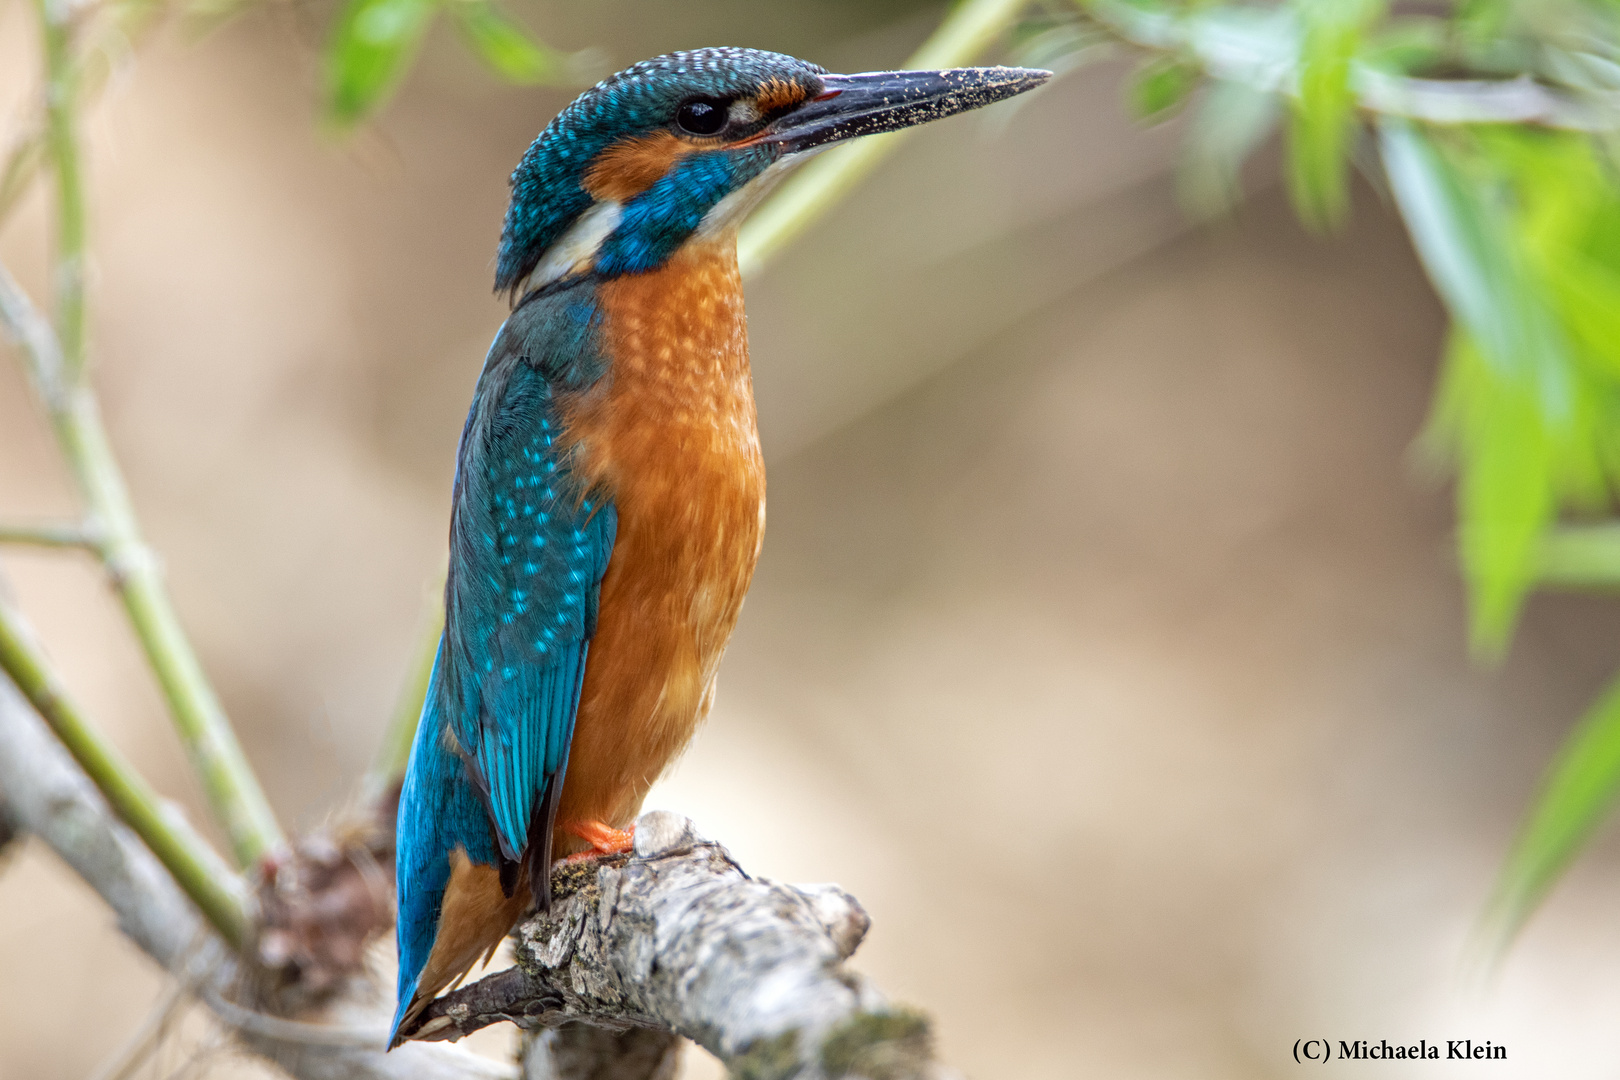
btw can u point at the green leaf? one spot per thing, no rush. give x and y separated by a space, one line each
1411 44
369 52
1581 557
1059 44
1505 494
1576 794
1231 120
1508 404
1324 108
507 48
1160 86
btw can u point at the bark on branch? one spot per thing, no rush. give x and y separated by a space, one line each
677 937
45 794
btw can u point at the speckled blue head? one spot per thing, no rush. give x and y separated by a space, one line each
639 163
548 187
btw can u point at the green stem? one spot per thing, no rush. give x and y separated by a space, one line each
232 789
192 863
51 536
1221 49
1581 557
22 159
58 18
971 28
231 786
389 764
58 365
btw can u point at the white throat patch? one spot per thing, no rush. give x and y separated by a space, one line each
729 211
575 251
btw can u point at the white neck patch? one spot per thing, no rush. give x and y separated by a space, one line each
575 251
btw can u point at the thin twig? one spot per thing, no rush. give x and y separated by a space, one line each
42 789
232 789
57 363
59 20
281 1029
194 865
117 32
59 535
1243 53
395 750
24 325
135 1049
22 159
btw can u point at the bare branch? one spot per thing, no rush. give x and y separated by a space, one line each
232 788
193 864
677 937
44 792
589 1052
21 321
52 535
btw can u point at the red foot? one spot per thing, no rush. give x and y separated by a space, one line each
604 839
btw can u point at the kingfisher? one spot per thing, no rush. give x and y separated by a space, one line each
609 496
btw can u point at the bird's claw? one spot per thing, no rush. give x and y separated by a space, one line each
604 839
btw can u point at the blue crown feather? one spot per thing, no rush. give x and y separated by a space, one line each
547 195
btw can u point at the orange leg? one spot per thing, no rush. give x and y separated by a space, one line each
604 839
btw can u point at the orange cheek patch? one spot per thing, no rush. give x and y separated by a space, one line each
631 166
778 94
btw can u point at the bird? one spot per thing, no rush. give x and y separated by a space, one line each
608 504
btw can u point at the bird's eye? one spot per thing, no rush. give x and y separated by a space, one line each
701 116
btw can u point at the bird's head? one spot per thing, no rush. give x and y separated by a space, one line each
684 144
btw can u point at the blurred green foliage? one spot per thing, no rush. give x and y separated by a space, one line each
373 43
1493 125
1322 109
370 49
1160 86
1575 799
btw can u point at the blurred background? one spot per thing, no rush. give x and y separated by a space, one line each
1106 642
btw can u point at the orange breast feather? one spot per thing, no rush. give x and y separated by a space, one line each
670 432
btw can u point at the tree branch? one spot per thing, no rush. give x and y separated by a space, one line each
677 937
188 858
589 1052
57 535
45 793
674 938
232 788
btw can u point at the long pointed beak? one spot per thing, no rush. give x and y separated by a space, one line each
854 105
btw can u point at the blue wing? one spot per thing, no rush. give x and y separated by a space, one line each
528 548
528 551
